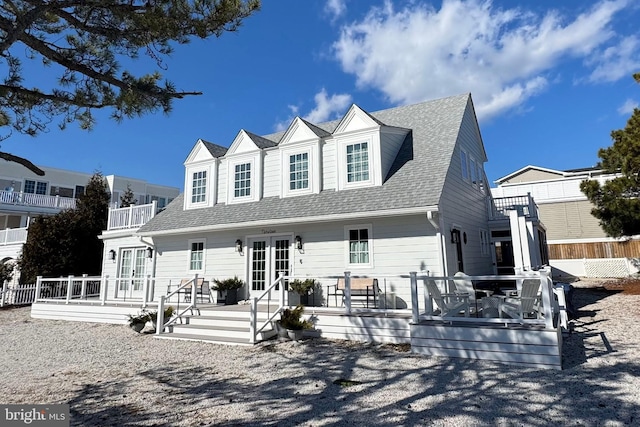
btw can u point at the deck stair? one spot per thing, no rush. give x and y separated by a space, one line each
218 324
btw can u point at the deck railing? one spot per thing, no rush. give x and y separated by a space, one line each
278 305
131 217
36 200
12 236
68 288
525 205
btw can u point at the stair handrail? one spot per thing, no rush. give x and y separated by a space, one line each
253 329
160 325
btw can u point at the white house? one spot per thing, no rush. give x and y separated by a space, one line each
397 196
25 195
392 191
577 244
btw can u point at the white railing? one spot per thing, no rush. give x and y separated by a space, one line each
131 217
254 330
69 288
525 206
36 200
192 285
17 294
427 311
13 235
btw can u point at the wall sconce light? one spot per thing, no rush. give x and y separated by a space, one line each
239 246
149 252
112 255
464 237
298 242
455 236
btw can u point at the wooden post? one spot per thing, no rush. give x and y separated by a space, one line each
414 297
130 215
194 291
4 293
546 286
104 289
160 317
38 288
347 291
69 288
145 291
253 325
282 291
83 287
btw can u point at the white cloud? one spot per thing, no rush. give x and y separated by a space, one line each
335 8
326 108
628 107
500 55
616 62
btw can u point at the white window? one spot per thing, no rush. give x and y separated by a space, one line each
484 242
358 162
35 187
299 171
199 187
196 255
474 172
464 165
359 245
242 180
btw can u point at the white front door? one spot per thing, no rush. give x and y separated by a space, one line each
268 257
132 263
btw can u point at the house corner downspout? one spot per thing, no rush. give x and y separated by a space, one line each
435 219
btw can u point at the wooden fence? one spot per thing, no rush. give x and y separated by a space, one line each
628 249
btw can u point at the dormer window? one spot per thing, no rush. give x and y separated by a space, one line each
358 162
199 187
299 171
242 180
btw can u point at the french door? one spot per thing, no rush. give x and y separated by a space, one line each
268 257
132 263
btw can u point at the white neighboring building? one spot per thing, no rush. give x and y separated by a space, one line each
25 195
577 244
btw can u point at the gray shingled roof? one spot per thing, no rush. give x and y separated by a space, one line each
415 180
260 141
215 149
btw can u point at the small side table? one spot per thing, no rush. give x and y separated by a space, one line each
490 307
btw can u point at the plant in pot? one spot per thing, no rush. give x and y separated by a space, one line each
303 288
138 321
291 320
168 312
231 285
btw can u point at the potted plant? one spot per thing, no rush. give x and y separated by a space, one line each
291 320
303 288
138 322
153 315
231 286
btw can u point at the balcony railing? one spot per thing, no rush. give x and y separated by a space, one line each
524 205
131 217
36 200
13 236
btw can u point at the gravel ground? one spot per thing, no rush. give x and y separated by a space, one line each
111 376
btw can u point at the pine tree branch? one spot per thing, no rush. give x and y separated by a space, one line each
24 162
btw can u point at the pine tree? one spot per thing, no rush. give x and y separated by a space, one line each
617 202
82 41
127 198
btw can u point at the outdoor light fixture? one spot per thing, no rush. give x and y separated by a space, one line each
239 246
149 252
298 242
455 236
112 255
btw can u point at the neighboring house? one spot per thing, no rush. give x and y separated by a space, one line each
25 195
380 193
577 244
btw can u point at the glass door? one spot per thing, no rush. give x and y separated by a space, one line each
132 265
268 257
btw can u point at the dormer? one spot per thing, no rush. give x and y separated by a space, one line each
365 149
300 158
244 163
201 170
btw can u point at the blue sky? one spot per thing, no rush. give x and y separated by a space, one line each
550 80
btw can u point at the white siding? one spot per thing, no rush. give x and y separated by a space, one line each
329 166
390 143
222 181
464 205
272 173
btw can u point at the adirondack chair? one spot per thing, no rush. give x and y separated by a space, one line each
462 285
526 303
448 303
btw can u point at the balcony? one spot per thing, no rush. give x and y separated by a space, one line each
11 236
524 205
131 217
16 199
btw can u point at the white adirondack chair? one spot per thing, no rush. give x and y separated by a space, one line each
448 303
526 303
